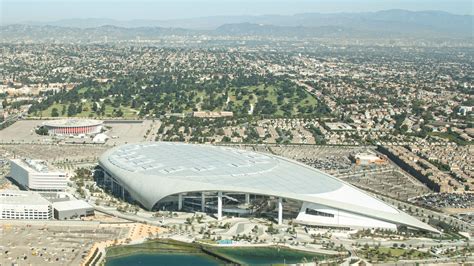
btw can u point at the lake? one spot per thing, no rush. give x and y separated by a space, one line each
166 252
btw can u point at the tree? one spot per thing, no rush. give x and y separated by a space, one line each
404 128
42 131
119 113
54 112
71 110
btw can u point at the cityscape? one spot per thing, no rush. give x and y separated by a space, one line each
337 137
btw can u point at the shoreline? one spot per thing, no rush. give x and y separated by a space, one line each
138 233
199 248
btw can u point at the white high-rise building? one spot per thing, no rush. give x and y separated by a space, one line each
35 175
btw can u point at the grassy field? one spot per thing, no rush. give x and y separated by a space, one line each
269 100
391 254
452 137
271 96
87 111
102 88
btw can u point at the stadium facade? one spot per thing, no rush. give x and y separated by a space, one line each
73 127
223 180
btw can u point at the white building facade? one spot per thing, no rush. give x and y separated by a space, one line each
24 205
35 175
73 209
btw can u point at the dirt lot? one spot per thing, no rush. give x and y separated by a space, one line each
22 131
122 133
52 242
119 132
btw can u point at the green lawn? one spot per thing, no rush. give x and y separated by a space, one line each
47 112
247 93
103 88
127 111
454 137
390 254
87 111
272 95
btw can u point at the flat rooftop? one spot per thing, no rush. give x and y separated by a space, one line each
19 197
34 166
71 205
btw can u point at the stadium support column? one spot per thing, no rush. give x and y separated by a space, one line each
112 187
203 202
219 205
180 201
247 198
280 211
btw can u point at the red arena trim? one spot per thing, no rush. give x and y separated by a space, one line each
73 127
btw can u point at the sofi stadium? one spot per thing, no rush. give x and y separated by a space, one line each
229 181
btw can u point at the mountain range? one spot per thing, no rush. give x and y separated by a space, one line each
388 23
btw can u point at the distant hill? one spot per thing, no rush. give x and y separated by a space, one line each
56 33
244 29
381 24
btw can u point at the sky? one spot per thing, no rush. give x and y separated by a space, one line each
17 11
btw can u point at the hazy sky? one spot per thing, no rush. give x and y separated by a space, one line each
13 11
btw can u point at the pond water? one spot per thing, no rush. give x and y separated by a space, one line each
172 253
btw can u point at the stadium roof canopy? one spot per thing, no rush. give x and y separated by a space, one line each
72 123
154 170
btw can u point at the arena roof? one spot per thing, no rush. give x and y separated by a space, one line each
72 123
151 171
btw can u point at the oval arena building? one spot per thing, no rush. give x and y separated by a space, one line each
229 181
73 126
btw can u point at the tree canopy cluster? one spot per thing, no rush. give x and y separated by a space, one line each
162 94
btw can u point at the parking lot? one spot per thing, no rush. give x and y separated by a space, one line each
51 243
120 132
53 152
387 179
22 132
446 201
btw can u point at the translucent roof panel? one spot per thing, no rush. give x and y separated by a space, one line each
152 171
220 165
